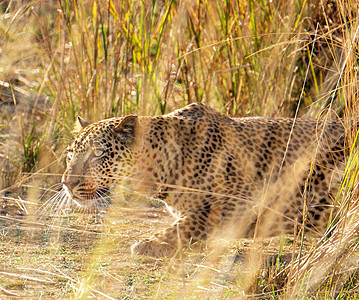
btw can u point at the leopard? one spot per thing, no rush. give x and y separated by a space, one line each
219 176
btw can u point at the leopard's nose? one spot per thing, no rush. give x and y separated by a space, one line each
70 182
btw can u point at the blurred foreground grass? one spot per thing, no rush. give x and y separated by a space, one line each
98 59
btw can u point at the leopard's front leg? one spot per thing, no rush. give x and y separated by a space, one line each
193 227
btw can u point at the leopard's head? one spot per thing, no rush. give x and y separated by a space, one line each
99 155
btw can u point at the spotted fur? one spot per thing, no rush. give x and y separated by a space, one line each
222 176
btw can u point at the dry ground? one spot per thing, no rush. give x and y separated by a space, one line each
79 256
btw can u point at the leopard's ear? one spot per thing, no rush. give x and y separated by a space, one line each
82 122
79 125
126 129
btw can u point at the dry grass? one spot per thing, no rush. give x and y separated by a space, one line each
99 59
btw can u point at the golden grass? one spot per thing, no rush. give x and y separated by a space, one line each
99 59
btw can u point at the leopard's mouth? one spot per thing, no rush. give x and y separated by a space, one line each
89 198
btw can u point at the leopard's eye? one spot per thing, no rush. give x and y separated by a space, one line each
98 149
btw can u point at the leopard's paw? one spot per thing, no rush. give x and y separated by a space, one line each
154 248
